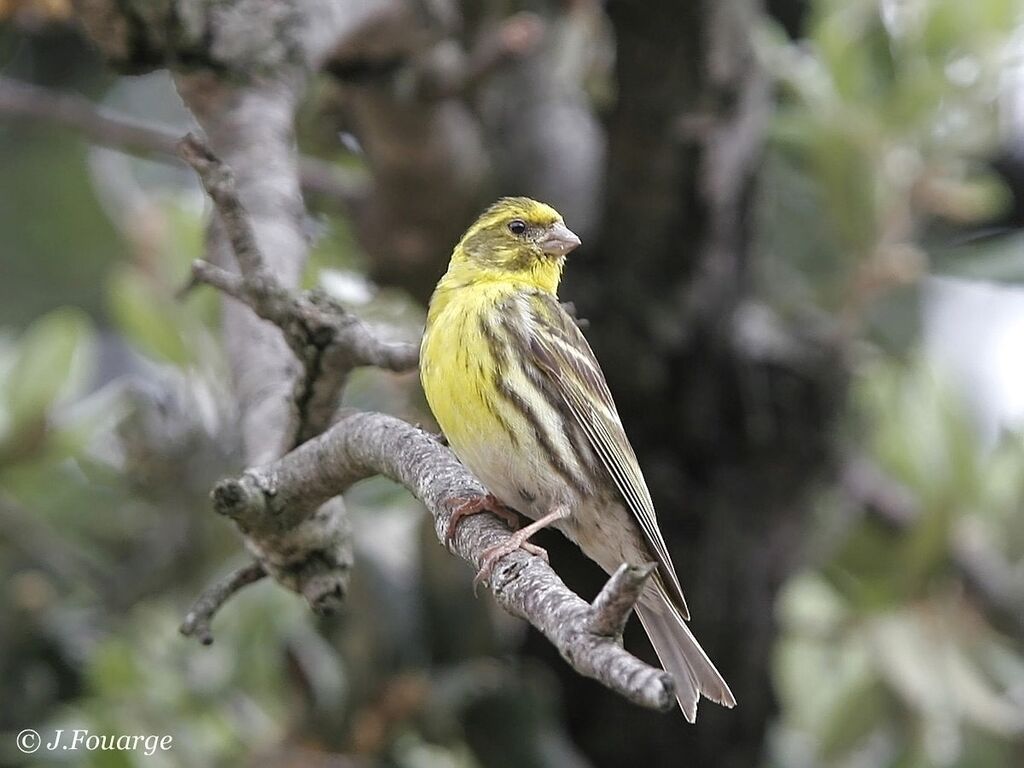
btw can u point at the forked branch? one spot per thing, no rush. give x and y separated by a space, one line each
328 340
363 445
285 494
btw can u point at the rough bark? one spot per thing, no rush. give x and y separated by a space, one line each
241 68
362 445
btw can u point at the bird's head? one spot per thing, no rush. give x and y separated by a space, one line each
518 239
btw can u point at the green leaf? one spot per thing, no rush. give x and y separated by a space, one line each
859 710
45 361
147 317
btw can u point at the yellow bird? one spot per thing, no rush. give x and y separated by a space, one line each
523 403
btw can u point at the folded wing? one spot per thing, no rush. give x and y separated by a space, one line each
563 357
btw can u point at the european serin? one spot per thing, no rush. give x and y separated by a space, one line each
523 403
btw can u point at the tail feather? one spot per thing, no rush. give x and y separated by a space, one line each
682 656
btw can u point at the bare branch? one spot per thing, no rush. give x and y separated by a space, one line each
328 340
20 100
615 602
30 102
197 621
338 342
242 69
289 507
231 283
219 183
362 445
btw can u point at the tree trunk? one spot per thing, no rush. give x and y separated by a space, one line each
729 432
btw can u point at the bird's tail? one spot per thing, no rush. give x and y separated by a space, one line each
681 655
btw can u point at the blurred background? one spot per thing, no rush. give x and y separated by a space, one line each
801 271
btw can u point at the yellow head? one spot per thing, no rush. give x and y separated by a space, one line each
517 239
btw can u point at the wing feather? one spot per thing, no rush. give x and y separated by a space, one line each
560 352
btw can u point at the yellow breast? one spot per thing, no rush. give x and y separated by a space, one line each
470 369
458 368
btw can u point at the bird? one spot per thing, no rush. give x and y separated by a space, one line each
522 401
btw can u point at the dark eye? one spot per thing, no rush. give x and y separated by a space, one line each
517 226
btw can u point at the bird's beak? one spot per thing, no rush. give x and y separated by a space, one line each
558 240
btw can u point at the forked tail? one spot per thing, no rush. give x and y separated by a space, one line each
682 656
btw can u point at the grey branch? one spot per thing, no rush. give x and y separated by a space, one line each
328 340
197 621
289 507
614 604
31 102
246 105
219 183
363 445
270 502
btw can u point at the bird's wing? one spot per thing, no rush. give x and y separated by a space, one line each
562 355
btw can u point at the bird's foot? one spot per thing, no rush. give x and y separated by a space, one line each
492 555
466 507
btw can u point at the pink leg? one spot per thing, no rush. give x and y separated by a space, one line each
517 540
474 506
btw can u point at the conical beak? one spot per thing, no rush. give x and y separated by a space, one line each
558 240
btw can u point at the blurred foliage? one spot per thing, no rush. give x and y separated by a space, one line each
114 422
918 673
889 114
112 430
39 218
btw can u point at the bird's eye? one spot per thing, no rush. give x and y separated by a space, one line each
517 226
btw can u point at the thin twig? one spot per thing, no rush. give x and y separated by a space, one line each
329 341
615 602
203 272
197 620
219 183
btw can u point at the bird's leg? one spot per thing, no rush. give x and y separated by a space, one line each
465 507
518 540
